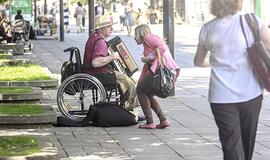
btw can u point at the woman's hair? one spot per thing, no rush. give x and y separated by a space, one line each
221 8
141 31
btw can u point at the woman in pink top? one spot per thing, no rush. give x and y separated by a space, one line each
151 44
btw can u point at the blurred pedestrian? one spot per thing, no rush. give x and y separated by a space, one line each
83 18
5 31
152 45
235 95
53 12
19 14
99 10
79 12
120 10
66 17
129 22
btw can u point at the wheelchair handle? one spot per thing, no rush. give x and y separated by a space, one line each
76 51
69 49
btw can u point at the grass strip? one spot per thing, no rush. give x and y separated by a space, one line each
4 60
21 109
27 72
7 90
18 145
5 56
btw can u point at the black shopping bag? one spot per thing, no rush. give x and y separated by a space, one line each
107 114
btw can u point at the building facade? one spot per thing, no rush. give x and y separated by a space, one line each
197 11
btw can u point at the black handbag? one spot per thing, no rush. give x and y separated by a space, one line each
108 114
163 80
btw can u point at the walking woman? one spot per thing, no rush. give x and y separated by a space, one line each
66 17
235 94
152 44
129 21
79 12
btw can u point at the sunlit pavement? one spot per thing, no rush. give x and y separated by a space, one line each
193 134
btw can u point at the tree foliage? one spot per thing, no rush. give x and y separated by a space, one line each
3 1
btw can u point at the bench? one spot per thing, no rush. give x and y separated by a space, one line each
17 48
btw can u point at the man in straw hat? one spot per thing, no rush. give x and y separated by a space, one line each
96 60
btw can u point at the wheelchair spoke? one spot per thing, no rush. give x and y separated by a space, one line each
70 89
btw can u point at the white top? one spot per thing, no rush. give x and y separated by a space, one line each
232 79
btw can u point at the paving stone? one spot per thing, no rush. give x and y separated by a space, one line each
157 157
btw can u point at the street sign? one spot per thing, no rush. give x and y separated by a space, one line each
25 6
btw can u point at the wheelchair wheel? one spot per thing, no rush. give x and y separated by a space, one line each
77 93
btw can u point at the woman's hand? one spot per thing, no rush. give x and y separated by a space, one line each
149 58
145 59
176 75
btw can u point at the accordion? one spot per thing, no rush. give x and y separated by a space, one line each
126 63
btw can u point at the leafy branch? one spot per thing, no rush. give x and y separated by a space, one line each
3 1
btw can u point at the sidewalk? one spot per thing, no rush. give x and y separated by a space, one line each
193 134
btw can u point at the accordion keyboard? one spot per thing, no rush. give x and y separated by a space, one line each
126 63
118 64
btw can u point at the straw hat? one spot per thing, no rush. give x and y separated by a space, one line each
103 21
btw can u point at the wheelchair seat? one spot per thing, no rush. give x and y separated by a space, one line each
106 79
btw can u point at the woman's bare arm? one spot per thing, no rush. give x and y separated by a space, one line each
200 57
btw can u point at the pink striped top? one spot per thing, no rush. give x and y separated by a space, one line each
150 44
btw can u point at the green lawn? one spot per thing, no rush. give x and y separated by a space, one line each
25 72
18 145
7 90
5 56
21 109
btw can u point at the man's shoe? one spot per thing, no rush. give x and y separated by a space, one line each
141 118
147 126
163 124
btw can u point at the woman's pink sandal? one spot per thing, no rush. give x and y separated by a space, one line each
147 126
163 124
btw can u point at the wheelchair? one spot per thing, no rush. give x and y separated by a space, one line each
79 91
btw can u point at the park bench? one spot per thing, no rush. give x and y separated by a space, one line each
16 48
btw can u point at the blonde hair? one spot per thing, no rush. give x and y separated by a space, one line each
221 8
141 31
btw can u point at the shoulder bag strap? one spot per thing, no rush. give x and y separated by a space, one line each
160 59
242 27
253 25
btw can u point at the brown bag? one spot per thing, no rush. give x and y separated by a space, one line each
258 54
